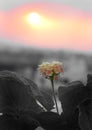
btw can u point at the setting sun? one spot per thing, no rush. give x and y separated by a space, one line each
34 18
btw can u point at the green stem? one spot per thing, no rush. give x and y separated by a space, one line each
52 83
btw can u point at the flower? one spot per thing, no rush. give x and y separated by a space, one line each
53 69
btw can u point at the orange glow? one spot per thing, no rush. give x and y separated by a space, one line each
53 26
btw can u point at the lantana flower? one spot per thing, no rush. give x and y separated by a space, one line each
51 71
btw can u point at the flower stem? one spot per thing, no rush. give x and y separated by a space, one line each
52 83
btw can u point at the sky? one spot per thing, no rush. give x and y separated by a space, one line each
63 24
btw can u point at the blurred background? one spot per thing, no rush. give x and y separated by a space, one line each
35 31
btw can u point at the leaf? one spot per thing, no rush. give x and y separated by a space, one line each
23 122
89 85
53 121
42 95
15 93
85 116
17 103
71 96
50 120
46 99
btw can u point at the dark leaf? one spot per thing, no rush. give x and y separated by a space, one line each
16 102
71 96
85 115
53 121
46 99
15 93
23 122
43 96
49 120
89 86
85 118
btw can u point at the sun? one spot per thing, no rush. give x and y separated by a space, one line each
38 21
34 18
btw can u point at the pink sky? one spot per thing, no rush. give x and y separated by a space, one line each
69 28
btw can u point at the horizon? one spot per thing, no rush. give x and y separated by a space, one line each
23 47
